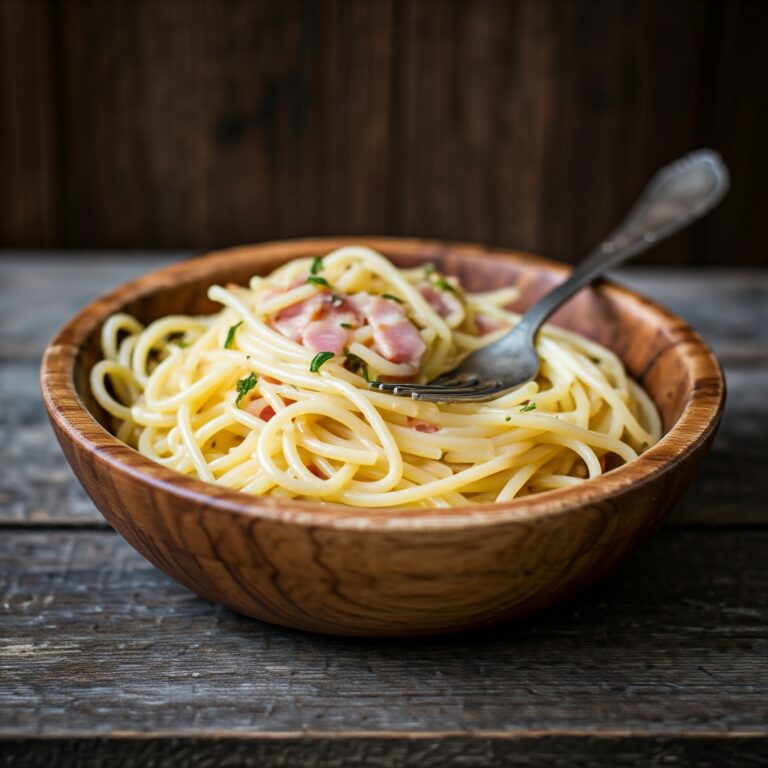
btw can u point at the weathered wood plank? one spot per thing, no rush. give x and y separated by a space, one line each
526 122
31 181
40 292
94 640
728 308
375 751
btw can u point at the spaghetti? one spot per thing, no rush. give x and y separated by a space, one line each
269 395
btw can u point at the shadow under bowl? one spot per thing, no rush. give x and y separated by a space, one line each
378 572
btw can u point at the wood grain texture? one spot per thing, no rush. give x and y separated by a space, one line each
525 123
95 642
337 569
31 184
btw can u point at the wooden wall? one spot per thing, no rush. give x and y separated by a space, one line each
528 123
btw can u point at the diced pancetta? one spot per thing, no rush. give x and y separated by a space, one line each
395 337
261 410
322 322
444 303
422 426
400 343
325 336
292 320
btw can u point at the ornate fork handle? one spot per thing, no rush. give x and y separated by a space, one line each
677 195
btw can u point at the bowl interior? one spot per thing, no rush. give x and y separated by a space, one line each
646 338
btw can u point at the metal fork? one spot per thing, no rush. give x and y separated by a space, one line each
677 195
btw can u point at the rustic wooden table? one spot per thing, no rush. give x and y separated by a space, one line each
104 660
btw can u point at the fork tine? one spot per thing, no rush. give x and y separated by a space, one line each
454 379
430 390
387 386
466 391
467 395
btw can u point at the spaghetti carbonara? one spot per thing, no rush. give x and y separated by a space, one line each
270 395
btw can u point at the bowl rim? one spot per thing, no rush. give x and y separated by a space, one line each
695 425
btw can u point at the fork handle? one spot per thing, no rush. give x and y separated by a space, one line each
677 195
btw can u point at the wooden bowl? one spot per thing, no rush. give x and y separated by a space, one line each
335 569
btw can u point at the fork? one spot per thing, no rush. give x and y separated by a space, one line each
677 195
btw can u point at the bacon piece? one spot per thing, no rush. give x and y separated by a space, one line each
295 321
267 413
396 337
400 343
292 320
341 310
422 426
443 302
264 412
257 407
325 336
378 311
317 323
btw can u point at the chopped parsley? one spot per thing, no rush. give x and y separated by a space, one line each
391 297
244 386
180 343
429 268
231 334
356 364
319 359
317 280
507 418
529 407
444 285
317 265
346 325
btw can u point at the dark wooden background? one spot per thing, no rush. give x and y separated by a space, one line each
532 124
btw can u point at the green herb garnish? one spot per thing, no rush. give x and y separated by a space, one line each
507 418
529 407
244 386
231 334
346 325
319 359
444 285
317 265
429 268
180 343
317 280
391 297
356 364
